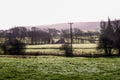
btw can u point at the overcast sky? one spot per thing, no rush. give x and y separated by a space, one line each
44 12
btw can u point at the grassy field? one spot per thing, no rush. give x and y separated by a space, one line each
55 48
59 45
59 68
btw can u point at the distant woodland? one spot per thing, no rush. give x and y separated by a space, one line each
35 36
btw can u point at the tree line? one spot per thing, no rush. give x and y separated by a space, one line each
42 36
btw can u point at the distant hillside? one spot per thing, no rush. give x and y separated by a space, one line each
85 26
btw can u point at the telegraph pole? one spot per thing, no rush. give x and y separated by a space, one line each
71 37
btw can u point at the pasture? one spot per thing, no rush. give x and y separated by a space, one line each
59 68
55 49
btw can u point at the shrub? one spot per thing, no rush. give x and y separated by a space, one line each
68 50
13 47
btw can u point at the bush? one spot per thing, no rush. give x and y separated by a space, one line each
0 50
68 50
13 47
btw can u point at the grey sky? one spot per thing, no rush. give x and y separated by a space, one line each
43 12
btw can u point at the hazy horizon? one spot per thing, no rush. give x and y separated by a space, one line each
47 12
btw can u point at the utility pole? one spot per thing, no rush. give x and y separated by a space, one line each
71 37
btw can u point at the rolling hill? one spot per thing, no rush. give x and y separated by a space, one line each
85 26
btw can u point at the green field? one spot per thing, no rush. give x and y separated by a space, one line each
59 68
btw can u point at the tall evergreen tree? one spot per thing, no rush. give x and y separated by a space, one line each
106 37
117 35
